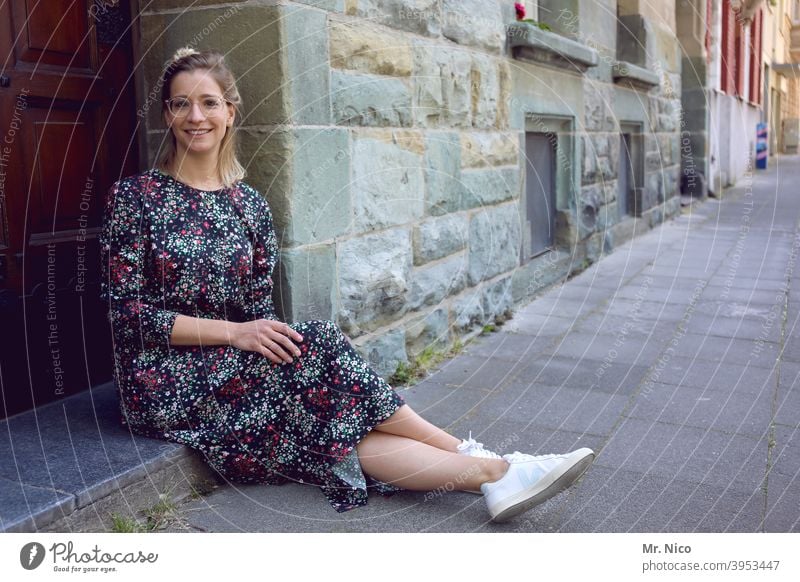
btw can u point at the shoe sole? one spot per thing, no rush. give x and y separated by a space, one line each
552 484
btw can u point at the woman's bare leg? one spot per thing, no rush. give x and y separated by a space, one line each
407 423
414 465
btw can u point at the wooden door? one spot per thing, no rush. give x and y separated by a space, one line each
68 107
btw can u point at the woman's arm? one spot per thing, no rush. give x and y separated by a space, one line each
194 331
268 337
135 316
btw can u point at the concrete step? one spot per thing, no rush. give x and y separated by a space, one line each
71 466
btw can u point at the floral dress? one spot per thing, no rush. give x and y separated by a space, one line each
169 249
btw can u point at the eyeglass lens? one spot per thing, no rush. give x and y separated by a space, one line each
208 105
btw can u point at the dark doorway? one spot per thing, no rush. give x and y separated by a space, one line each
68 106
625 175
630 173
540 189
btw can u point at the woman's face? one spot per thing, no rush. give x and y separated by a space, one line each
198 86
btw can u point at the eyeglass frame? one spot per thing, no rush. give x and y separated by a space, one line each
218 97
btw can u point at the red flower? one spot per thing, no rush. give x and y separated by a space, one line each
520 8
234 388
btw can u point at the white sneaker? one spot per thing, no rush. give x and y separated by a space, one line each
475 449
531 480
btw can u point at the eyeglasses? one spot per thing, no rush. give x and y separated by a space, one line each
210 106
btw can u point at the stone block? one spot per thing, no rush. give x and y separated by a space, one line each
484 91
321 207
482 187
374 273
655 216
598 110
245 34
360 46
476 23
466 312
505 86
593 247
605 170
387 182
439 237
694 73
370 100
305 31
609 190
443 188
418 16
647 197
265 154
608 216
383 353
569 230
433 283
590 200
671 181
665 148
306 275
599 28
480 149
428 330
539 272
590 159
653 161
441 86
329 5
494 242
497 299
664 51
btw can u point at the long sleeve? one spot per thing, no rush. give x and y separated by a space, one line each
265 255
135 318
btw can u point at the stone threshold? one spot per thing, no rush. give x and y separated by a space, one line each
70 466
529 42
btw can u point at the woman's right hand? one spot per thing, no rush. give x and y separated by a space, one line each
269 338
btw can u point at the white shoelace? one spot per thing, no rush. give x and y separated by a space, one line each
476 449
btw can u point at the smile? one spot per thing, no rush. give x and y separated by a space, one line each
198 131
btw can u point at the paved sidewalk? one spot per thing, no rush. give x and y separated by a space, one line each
675 358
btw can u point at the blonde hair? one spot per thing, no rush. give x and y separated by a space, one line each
187 59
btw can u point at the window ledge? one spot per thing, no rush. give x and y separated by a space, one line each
529 42
638 77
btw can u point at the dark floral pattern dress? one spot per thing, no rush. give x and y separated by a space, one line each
169 249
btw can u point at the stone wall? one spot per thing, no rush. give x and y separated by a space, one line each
387 136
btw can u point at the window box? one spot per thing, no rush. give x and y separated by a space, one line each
639 77
529 42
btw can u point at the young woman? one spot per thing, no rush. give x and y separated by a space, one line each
202 359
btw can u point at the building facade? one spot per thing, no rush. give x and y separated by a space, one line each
782 89
738 71
431 164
